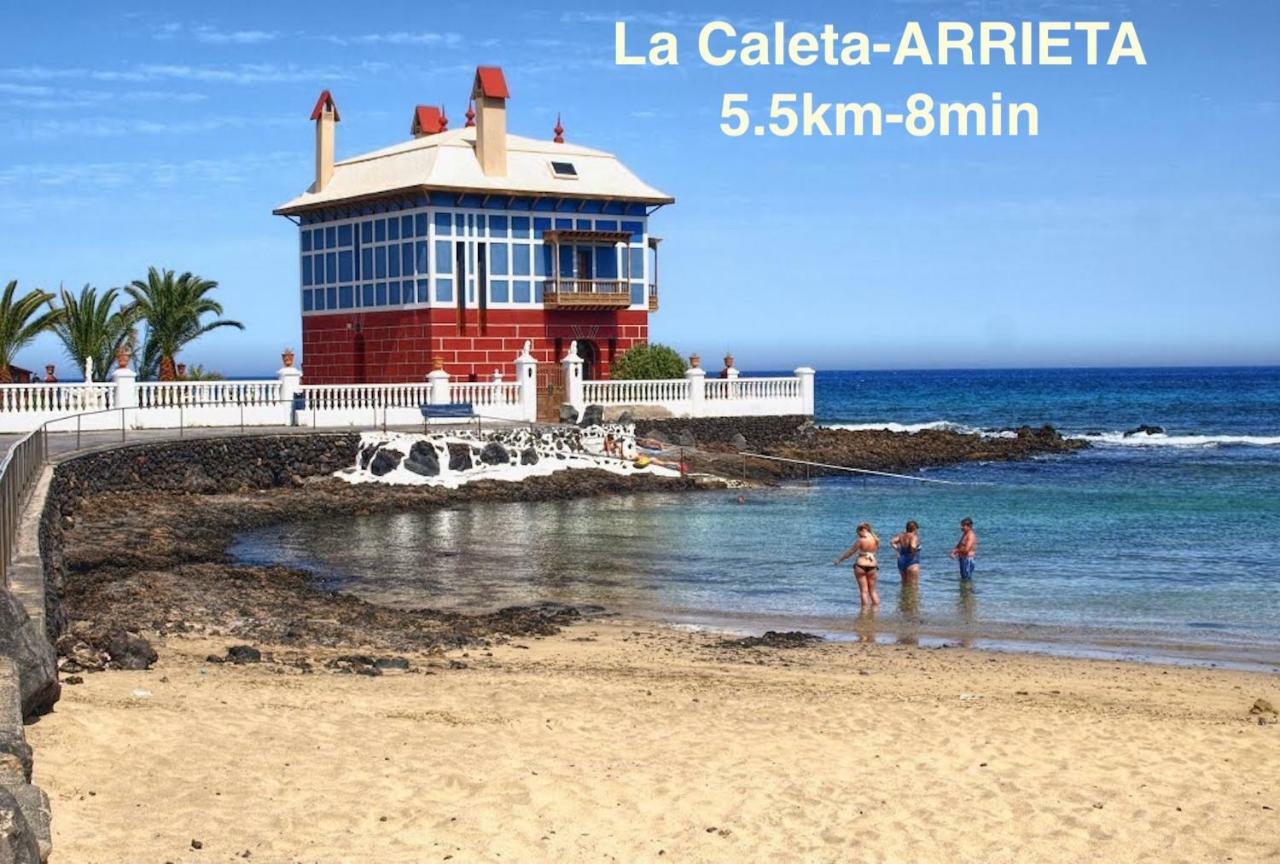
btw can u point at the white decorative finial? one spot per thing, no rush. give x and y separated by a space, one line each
527 351
573 351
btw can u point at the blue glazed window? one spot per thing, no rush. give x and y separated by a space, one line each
522 289
566 261
344 235
497 226
393 293
331 298
406 259
520 226
542 260
520 259
420 225
537 290
541 224
366 263
636 254
499 290
393 261
637 293
344 266
346 297
331 237
366 232
307 303
423 263
444 290
318 278
393 229
406 226
380 262
367 292
498 259
424 291
444 260
606 225
306 241
380 294
380 230
480 223
444 223
318 297
636 229
306 269
606 263
564 223
459 223
583 225
331 266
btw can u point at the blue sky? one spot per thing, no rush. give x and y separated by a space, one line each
1142 226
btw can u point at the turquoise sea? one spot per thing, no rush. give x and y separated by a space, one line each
1148 545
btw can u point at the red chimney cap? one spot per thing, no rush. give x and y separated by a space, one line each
490 82
326 99
427 120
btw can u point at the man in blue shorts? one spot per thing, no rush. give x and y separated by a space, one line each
966 549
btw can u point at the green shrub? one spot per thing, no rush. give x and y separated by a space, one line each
648 362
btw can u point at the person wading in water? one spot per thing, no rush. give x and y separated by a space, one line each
865 568
966 550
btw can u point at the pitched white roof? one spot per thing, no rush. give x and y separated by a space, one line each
447 161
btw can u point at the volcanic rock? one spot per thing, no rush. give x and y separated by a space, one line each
423 459
385 461
528 456
495 454
242 654
592 415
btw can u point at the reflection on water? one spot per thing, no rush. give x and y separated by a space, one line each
706 559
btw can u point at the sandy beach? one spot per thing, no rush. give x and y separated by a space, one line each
625 742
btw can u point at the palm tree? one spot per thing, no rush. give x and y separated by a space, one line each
89 326
17 326
172 308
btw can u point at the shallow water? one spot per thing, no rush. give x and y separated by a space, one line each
1151 547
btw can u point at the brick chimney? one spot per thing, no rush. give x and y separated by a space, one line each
490 94
326 118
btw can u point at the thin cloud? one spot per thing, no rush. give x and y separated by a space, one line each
210 35
239 73
109 128
88 176
398 38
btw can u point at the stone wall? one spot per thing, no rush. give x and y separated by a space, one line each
24 808
205 465
758 432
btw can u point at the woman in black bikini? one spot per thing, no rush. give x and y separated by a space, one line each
865 568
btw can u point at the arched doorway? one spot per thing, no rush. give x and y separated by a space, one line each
590 360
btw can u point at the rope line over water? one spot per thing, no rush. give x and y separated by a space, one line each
856 470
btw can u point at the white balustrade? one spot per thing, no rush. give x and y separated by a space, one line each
55 398
696 396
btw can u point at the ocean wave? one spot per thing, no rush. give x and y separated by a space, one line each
1145 439
943 425
1098 439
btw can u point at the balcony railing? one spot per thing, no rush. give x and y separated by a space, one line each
586 294
653 296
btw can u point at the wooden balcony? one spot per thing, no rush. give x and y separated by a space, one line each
653 297
586 294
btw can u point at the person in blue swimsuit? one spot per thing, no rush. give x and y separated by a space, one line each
908 546
966 550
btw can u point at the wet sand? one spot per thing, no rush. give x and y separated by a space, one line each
628 742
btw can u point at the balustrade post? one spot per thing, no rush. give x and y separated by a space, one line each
527 379
438 379
697 378
126 381
805 374
572 368
290 383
